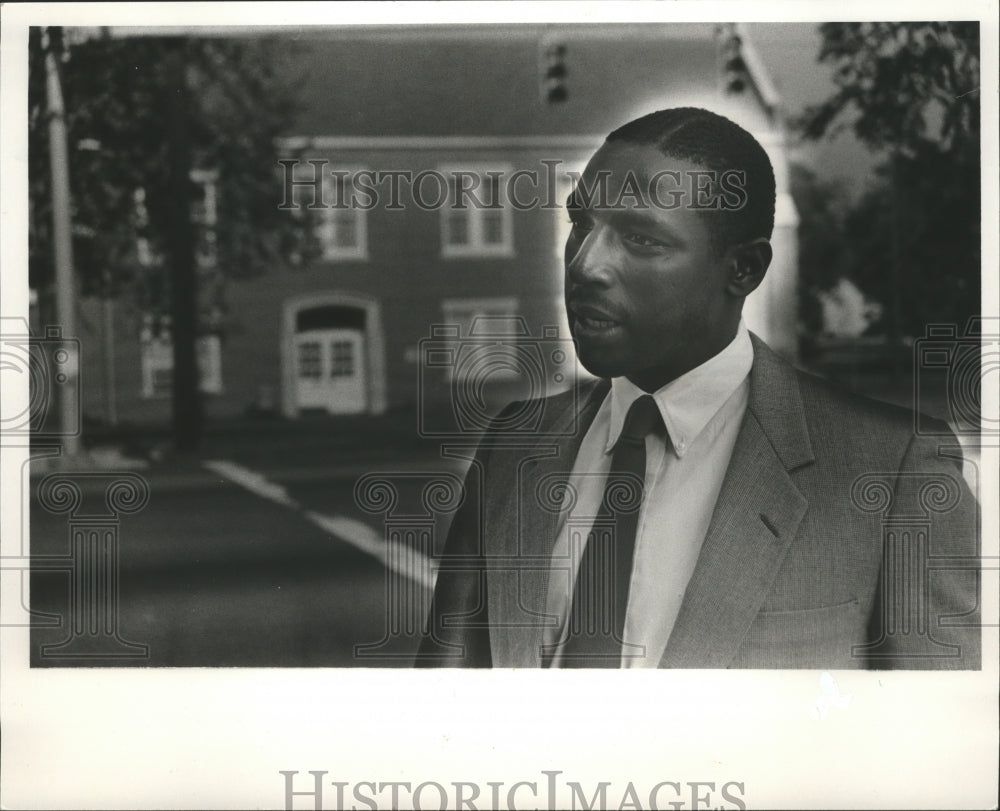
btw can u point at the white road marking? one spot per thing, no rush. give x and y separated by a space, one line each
397 557
252 481
400 558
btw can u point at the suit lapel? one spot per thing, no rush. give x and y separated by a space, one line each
753 525
531 523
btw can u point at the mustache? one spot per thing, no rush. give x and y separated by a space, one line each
594 307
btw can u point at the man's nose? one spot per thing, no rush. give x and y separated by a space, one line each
594 261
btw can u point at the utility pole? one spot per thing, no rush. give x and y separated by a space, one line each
62 236
895 320
180 250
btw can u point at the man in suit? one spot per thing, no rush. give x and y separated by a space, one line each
703 504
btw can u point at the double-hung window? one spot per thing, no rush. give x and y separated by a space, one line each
476 218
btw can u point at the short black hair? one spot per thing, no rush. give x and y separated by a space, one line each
718 144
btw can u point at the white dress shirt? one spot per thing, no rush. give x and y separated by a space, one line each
702 411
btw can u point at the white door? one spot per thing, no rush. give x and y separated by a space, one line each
330 370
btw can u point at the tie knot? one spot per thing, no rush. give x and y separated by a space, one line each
642 418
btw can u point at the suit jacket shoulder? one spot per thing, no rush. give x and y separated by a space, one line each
824 493
876 490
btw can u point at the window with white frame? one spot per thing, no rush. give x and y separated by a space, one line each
157 360
343 226
204 210
324 198
462 312
205 216
145 255
476 220
477 318
310 360
342 358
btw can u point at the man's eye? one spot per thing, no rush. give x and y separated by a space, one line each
642 241
581 224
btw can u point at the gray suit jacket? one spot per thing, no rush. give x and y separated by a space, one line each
839 540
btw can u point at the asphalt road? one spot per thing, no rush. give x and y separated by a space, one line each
257 551
270 562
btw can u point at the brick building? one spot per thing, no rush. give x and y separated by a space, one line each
343 333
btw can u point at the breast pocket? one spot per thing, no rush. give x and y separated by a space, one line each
820 638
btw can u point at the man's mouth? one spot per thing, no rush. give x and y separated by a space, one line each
593 319
595 323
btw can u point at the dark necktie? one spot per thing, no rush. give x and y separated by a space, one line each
596 626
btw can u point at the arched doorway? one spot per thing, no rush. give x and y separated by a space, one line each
332 355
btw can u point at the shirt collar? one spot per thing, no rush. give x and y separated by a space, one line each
688 403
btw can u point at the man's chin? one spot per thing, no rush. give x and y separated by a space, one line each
599 364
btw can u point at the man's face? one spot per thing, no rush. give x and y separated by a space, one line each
645 287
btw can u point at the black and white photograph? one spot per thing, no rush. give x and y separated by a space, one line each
369 366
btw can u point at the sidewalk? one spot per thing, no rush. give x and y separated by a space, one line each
291 450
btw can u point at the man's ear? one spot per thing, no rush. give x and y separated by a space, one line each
748 263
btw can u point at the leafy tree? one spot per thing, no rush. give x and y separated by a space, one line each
822 245
911 91
925 222
910 85
142 113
